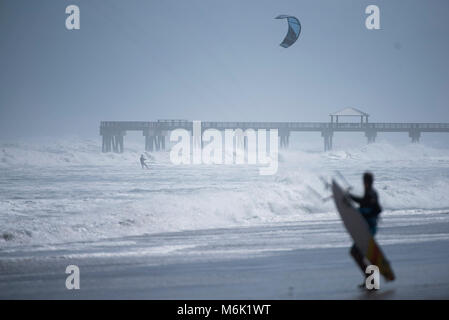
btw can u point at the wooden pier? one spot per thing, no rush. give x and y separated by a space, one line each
156 132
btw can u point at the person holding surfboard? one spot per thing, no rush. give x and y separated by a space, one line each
370 210
361 224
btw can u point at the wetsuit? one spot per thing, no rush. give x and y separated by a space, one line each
369 208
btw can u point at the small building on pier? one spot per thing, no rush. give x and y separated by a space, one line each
349 112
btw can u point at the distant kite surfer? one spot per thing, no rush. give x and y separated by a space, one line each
370 210
142 162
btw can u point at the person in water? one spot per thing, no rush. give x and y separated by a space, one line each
142 162
370 210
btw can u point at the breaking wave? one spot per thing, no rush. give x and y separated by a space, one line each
69 191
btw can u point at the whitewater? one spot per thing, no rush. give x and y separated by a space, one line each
65 200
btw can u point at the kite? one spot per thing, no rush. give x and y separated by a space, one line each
294 29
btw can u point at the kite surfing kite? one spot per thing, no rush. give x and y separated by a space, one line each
294 29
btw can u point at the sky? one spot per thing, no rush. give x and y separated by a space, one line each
219 61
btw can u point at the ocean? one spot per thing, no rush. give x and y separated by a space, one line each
66 199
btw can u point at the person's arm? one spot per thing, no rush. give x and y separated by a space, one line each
355 198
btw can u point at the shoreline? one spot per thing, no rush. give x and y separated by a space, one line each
421 270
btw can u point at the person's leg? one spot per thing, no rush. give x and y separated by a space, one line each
359 258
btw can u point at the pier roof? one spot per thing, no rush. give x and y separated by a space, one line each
350 112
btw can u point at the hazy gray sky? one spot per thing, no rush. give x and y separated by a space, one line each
218 60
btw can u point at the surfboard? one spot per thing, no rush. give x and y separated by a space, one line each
358 229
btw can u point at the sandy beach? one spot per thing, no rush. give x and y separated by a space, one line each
186 273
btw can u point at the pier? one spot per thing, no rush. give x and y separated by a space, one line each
156 133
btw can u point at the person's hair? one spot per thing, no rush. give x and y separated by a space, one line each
368 178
